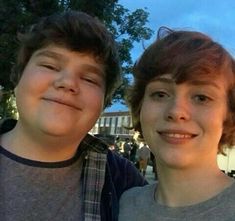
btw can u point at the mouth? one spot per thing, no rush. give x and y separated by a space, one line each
176 137
62 102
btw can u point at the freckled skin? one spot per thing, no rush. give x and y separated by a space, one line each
196 112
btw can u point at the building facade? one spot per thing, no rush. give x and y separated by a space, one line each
114 123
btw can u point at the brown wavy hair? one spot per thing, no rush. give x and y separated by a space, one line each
76 31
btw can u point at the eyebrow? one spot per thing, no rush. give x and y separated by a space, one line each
193 82
49 54
164 80
205 82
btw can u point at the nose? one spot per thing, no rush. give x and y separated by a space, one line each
177 110
67 81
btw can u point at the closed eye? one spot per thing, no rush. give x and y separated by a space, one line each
92 80
50 67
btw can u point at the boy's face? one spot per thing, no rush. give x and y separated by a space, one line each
183 123
60 93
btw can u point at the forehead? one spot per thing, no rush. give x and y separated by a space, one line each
65 55
60 51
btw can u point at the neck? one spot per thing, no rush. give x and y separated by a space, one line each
183 188
39 147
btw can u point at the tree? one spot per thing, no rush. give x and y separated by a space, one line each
127 27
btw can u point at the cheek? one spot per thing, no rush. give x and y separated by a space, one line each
150 112
143 115
147 116
22 89
212 123
148 121
31 82
29 88
220 116
95 100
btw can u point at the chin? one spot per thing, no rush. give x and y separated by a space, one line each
56 133
56 129
176 161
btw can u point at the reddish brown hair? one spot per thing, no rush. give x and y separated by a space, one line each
186 55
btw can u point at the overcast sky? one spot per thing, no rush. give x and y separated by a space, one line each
215 18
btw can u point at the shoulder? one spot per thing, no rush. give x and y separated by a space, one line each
136 201
229 194
137 194
121 166
123 173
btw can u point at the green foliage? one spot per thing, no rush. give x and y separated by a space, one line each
7 106
127 28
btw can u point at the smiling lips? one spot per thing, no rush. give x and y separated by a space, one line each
176 137
63 102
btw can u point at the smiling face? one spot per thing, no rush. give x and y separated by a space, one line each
183 123
60 93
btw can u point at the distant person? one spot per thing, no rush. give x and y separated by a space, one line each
51 168
127 148
134 148
183 102
143 155
153 161
117 145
